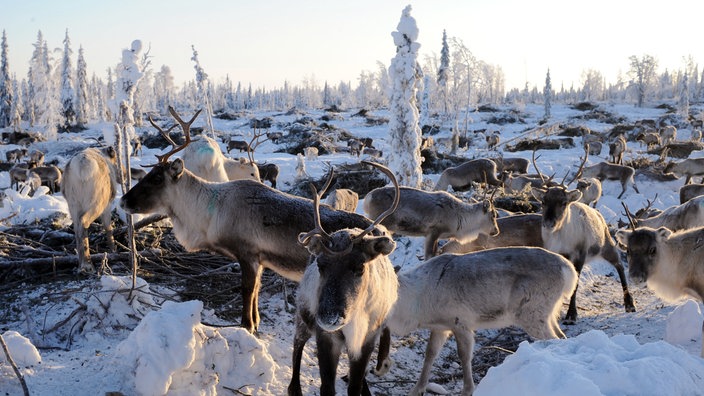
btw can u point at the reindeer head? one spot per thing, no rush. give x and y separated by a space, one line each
642 250
555 201
344 261
146 196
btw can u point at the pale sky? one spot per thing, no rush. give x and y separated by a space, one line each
267 42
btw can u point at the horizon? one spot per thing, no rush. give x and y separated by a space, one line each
319 42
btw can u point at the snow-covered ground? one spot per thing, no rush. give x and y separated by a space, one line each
90 336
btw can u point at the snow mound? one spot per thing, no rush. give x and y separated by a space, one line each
684 324
23 353
171 353
594 364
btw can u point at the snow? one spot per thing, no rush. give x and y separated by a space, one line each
105 338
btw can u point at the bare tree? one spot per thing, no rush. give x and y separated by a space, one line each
642 73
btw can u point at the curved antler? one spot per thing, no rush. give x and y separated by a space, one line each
304 238
164 133
581 166
391 209
535 165
186 127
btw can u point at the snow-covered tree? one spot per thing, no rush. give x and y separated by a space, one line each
164 89
405 133
82 91
44 99
6 91
643 75
443 74
17 108
201 82
68 110
547 95
128 74
683 99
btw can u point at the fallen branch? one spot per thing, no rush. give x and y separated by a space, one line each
141 224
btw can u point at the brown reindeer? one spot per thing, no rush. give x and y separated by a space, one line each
242 219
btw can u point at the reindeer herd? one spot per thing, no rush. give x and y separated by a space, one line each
481 267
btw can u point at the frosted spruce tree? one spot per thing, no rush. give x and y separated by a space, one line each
443 74
683 96
5 85
68 110
82 94
17 108
164 89
202 83
404 131
44 100
547 96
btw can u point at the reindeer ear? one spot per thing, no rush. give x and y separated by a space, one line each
176 168
314 244
663 233
622 236
379 245
538 193
574 195
243 160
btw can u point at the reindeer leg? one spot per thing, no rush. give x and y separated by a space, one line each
299 342
571 316
106 220
431 244
251 281
435 344
383 363
611 255
358 369
465 348
329 349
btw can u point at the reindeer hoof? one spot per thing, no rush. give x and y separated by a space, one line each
385 367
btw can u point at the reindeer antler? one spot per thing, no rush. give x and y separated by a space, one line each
535 165
304 238
581 166
185 126
164 133
631 222
391 209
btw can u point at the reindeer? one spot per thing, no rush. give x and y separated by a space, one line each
18 173
242 219
33 181
649 139
344 297
274 136
15 155
668 134
579 233
689 191
696 135
688 167
461 177
343 199
616 150
493 140
240 145
50 176
495 288
355 146
311 153
372 152
89 186
36 157
433 214
514 230
591 190
594 148
268 172
136 146
670 263
606 171
679 217
515 165
204 158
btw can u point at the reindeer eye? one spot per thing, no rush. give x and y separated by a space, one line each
652 251
358 270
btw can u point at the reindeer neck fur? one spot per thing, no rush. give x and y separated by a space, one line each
191 207
467 215
577 218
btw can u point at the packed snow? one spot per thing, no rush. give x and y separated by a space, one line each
93 336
